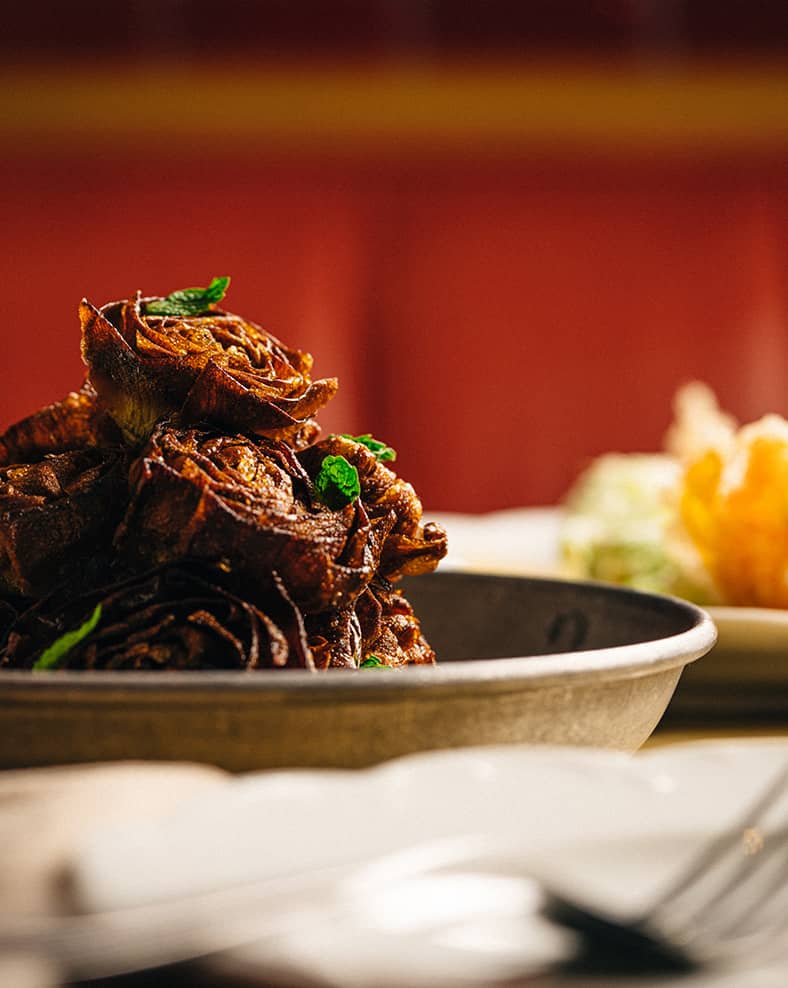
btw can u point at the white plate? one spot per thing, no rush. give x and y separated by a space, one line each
745 673
612 827
520 541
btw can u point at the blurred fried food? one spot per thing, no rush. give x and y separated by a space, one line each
707 520
734 504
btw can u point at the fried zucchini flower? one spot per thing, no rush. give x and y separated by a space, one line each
56 517
246 504
168 618
150 357
734 504
409 547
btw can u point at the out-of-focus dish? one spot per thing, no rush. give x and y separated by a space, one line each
706 519
180 512
524 661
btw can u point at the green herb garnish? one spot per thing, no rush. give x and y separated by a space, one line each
51 657
189 301
381 450
373 662
337 484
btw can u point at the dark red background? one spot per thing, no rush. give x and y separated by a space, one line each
498 323
499 314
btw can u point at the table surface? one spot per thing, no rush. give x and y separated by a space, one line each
678 733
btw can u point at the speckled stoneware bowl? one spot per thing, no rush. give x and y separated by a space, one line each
522 660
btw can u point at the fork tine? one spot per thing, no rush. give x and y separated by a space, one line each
755 886
727 842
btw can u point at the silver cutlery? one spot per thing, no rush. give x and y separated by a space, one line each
730 904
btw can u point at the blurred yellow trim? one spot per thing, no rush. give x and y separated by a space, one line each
397 107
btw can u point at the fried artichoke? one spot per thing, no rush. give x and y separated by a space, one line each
379 629
409 547
77 421
169 618
56 516
215 367
245 503
391 632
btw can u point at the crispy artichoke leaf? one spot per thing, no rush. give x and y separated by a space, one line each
379 626
218 396
57 518
335 638
135 398
391 631
77 421
173 617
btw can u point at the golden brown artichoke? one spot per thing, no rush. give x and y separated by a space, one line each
379 628
215 367
245 503
409 547
62 487
390 630
335 638
77 421
169 618
56 517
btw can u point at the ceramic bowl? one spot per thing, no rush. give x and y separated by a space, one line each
523 660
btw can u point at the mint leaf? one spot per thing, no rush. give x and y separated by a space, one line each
337 483
51 657
381 450
189 301
373 662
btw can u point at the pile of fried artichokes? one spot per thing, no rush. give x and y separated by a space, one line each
180 512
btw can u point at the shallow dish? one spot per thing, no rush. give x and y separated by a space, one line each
522 660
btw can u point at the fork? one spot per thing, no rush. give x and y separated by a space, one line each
731 903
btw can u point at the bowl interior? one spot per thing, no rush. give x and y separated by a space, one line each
509 616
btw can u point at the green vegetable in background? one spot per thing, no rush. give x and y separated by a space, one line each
51 657
189 301
381 450
337 483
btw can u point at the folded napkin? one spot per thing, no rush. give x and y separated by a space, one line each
46 814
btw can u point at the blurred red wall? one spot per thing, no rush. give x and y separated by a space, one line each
500 317
499 325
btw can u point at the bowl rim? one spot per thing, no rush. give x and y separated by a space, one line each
557 669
